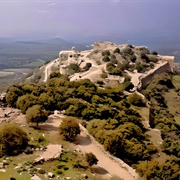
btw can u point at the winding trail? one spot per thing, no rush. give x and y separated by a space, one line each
47 69
112 165
86 142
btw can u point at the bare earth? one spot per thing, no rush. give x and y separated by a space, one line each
48 70
105 161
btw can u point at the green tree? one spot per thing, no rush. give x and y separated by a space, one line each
13 139
69 128
55 75
36 114
154 53
26 101
117 50
135 99
91 159
156 169
106 59
12 95
74 68
87 66
106 53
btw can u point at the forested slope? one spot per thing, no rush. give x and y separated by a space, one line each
109 116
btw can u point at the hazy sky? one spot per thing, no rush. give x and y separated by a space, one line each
66 18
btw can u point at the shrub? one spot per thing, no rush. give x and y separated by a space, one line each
135 99
91 159
127 51
69 128
124 65
74 67
12 95
87 66
26 101
55 75
110 66
104 75
154 53
156 169
140 67
117 50
100 82
145 58
106 53
60 166
106 59
130 45
114 61
41 139
41 171
116 71
36 114
66 168
59 172
133 58
13 139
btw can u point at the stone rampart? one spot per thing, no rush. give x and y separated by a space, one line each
145 80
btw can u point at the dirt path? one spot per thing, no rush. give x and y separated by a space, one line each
47 70
106 161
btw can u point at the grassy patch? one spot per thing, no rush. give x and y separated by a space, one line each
33 64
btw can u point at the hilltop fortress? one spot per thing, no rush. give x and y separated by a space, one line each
115 60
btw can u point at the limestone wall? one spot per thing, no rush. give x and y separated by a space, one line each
147 79
169 59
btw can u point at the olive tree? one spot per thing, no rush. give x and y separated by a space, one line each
36 114
91 159
13 139
69 128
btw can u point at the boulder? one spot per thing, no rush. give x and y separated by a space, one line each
50 175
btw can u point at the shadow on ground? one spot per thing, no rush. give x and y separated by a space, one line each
83 140
48 127
99 170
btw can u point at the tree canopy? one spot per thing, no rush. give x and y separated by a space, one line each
13 139
36 114
69 128
91 159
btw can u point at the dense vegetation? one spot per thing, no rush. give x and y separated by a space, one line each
129 58
160 117
108 115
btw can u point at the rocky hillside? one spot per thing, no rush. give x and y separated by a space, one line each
106 64
123 113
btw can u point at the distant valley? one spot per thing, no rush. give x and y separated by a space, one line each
19 56
30 54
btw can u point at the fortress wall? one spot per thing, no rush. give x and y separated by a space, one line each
169 59
146 80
